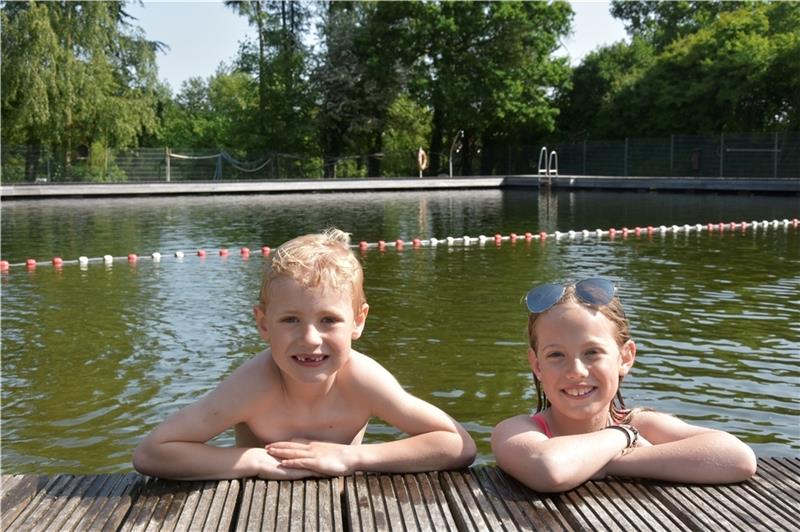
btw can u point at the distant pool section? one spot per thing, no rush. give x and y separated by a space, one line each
95 355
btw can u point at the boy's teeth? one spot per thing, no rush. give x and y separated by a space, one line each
310 359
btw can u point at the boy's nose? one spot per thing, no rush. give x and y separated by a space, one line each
311 335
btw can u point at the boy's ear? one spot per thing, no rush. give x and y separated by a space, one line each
360 320
261 321
627 356
533 360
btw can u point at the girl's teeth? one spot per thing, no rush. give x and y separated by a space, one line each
578 392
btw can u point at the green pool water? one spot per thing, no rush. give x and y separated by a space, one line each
94 357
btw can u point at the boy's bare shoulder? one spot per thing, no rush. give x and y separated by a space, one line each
363 372
259 374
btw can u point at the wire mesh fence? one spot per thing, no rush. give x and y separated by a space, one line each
754 155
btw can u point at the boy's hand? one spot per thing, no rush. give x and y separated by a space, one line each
323 458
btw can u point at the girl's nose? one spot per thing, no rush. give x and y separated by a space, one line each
577 369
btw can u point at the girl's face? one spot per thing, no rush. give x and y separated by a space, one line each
578 362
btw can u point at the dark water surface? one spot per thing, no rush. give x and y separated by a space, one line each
93 358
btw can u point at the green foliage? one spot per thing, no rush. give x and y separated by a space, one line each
691 68
75 73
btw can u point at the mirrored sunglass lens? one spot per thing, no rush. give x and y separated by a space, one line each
595 291
543 297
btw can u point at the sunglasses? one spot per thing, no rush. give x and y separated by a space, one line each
595 291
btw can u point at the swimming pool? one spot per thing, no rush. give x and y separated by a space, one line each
94 357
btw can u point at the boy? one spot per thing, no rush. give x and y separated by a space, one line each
301 407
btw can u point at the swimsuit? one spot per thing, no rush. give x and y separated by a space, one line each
539 419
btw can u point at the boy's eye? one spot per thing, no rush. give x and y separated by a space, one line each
555 354
288 319
331 319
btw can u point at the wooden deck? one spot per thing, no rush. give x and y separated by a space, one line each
479 498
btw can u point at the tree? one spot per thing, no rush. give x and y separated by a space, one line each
74 73
492 73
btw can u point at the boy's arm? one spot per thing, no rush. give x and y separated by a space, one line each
685 453
552 464
435 441
177 448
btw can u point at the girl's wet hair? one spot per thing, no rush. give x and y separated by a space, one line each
317 259
616 315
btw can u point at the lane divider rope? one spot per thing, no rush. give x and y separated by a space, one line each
465 240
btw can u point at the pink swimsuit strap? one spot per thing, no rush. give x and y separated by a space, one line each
539 419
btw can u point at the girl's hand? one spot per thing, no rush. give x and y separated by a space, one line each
322 458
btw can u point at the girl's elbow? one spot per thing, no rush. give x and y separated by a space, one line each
746 466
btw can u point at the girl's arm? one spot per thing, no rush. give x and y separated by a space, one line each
552 464
684 453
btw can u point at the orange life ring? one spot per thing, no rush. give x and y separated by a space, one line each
422 159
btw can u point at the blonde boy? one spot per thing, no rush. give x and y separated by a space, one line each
300 408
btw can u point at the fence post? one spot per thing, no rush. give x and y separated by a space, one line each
775 157
721 152
671 154
166 158
584 156
625 173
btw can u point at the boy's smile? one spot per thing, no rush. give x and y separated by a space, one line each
310 329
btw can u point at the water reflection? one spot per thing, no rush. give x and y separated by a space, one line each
93 358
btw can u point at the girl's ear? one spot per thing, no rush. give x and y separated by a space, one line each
627 356
261 321
533 360
359 321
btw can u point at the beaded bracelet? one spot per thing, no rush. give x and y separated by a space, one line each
631 434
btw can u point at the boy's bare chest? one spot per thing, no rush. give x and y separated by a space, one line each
335 421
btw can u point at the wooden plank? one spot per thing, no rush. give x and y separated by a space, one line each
508 515
744 501
329 504
54 486
284 506
436 500
189 507
108 494
359 504
651 511
530 510
200 516
403 498
770 496
223 506
691 509
256 513
248 486
379 511
471 509
583 501
18 492
117 503
54 502
310 517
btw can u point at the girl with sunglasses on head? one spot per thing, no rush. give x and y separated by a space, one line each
580 349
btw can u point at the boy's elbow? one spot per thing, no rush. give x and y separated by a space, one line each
467 453
143 461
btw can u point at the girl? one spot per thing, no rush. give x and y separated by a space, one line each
580 349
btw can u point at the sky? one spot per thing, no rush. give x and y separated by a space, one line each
202 34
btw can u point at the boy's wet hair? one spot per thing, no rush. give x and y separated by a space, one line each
317 259
616 315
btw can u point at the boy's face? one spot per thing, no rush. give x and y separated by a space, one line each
310 330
